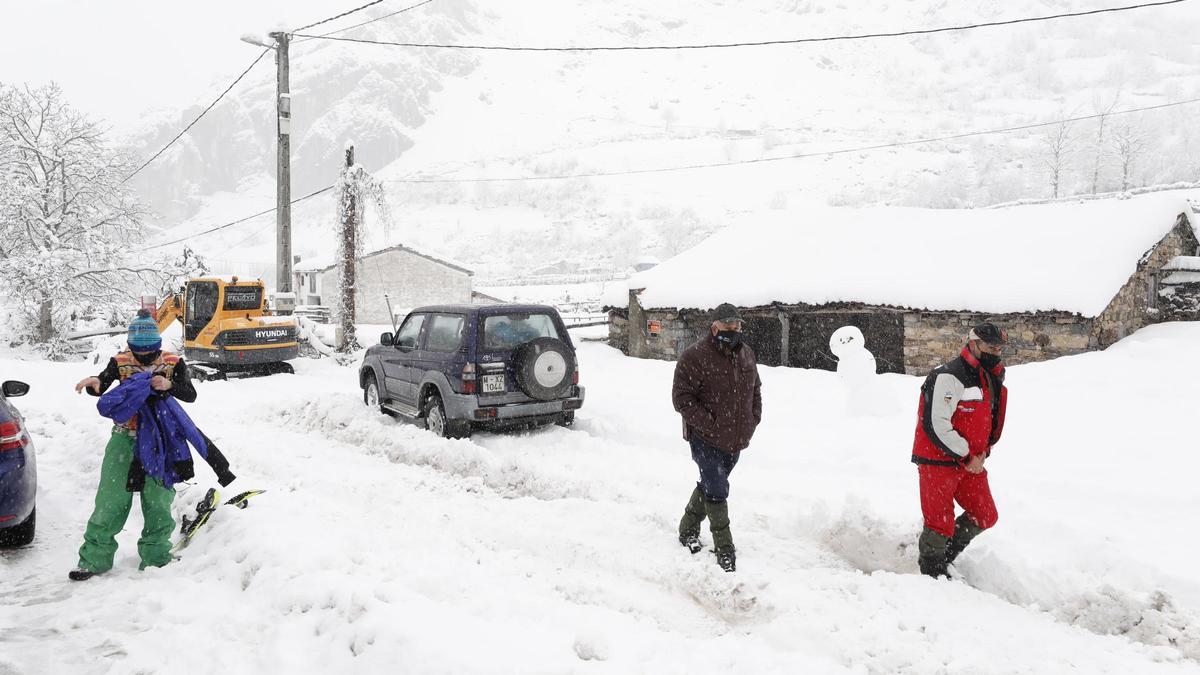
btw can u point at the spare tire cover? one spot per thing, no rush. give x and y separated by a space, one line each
545 368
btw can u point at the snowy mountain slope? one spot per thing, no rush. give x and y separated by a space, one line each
381 549
445 114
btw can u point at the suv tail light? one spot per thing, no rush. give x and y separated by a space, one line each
12 436
575 377
468 378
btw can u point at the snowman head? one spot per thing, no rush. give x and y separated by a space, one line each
845 340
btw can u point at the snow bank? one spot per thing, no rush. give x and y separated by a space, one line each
1064 256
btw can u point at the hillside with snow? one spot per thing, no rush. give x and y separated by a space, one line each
447 115
381 548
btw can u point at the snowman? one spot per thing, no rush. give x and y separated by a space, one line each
865 394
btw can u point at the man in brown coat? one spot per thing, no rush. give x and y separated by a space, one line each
718 393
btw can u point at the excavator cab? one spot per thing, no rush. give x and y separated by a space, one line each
228 329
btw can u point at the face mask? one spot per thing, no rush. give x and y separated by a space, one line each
147 358
989 361
732 338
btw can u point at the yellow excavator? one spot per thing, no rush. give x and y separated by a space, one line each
227 328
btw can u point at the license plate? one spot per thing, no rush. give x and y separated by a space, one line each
493 384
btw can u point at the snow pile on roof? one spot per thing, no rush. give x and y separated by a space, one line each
1184 269
1067 256
1186 263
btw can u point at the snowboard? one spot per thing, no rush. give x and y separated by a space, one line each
204 509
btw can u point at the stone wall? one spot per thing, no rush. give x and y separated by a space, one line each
412 280
618 329
1135 305
933 338
1179 302
925 339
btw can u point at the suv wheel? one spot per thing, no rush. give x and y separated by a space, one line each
437 422
545 368
371 395
20 535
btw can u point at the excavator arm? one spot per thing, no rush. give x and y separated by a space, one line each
169 311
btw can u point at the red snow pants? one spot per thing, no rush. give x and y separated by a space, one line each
941 486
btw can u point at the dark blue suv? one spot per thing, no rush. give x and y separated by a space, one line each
18 471
464 367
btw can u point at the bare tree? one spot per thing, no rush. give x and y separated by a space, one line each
1059 145
1101 147
1129 142
69 230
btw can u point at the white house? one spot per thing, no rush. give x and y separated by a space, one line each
410 278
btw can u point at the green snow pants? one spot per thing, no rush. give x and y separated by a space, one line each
113 502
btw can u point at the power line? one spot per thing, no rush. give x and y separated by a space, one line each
762 160
238 221
332 18
202 114
358 25
833 38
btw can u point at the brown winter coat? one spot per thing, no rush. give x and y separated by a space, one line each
718 393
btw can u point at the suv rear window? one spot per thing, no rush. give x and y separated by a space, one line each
506 331
445 333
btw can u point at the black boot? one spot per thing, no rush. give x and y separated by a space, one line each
689 525
965 530
932 553
718 524
80 574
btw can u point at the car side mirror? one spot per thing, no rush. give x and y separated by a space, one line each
13 388
385 339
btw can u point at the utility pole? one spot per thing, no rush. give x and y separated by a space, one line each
283 181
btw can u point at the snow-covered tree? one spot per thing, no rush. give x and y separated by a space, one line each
1058 145
70 231
355 187
1129 144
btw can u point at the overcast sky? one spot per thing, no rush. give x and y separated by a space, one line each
116 60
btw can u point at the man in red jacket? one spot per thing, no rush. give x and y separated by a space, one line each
718 393
959 419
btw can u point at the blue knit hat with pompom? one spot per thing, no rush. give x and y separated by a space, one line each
143 333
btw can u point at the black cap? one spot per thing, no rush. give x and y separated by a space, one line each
989 333
727 313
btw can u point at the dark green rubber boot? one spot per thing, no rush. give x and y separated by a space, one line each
965 530
932 553
718 524
689 525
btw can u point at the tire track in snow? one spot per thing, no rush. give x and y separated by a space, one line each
347 421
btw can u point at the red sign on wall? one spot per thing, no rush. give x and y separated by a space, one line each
654 327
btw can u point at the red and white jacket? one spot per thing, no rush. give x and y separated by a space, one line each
961 413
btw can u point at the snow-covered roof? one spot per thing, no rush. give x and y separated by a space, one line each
322 263
1066 256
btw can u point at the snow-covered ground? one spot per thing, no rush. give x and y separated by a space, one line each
379 548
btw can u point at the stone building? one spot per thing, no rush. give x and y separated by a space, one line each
1063 278
410 278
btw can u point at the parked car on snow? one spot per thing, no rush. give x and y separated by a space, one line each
18 471
465 367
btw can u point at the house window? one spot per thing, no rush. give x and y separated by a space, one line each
312 283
